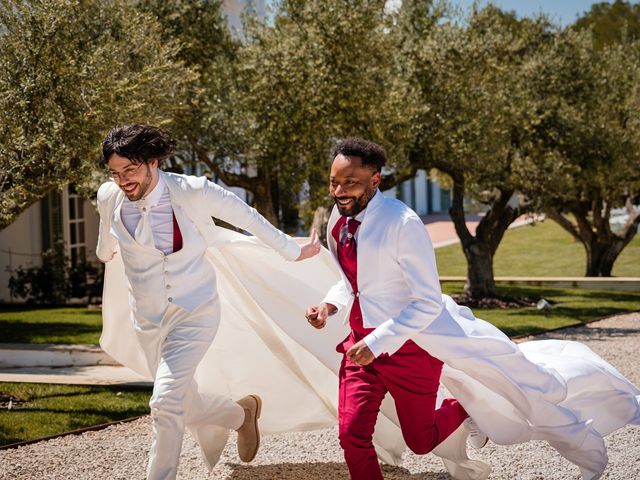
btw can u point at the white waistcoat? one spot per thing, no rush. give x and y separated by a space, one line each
184 278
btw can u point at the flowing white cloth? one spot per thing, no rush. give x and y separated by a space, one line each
551 390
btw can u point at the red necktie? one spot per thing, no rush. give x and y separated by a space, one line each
349 245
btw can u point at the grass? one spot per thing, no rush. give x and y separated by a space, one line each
50 325
539 250
52 409
570 307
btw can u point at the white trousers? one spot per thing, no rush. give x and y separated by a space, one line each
173 351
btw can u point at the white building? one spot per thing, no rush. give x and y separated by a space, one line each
423 195
68 217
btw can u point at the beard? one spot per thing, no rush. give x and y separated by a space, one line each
141 188
356 204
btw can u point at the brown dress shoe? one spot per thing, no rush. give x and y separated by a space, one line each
248 433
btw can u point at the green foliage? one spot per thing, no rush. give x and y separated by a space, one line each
581 150
55 280
611 23
70 70
55 409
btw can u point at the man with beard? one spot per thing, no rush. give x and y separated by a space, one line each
390 281
161 225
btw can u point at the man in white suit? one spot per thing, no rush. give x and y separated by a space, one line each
160 223
390 282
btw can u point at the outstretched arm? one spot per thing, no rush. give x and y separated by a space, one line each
227 206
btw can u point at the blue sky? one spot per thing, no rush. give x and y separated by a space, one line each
561 11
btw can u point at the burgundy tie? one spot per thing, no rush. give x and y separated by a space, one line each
349 246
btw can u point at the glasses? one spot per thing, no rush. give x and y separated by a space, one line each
126 173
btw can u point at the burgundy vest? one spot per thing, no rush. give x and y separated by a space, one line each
349 265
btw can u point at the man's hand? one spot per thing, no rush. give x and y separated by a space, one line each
360 354
317 316
310 249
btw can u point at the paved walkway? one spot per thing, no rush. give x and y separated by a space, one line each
120 452
443 233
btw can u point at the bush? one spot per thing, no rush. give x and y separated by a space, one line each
56 281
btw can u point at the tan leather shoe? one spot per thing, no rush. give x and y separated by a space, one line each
248 433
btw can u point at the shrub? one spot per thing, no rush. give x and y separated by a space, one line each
56 281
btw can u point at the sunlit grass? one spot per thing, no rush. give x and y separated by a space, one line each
53 409
570 307
50 325
539 250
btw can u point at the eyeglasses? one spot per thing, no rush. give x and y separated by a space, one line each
126 173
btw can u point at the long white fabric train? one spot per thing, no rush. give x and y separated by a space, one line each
551 390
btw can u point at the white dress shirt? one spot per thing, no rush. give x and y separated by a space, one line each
158 201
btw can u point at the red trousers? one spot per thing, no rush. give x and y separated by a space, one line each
412 377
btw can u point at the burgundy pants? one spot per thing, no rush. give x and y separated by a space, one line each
412 377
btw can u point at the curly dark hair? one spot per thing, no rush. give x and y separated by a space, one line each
371 154
138 143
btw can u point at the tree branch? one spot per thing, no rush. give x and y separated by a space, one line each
565 223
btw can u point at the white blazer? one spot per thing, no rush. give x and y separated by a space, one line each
398 282
184 278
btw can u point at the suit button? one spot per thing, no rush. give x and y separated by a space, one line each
170 299
166 259
166 272
168 287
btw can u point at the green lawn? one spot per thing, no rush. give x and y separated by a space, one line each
50 325
570 307
53 409
539 250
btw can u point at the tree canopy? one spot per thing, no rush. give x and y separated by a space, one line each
70 70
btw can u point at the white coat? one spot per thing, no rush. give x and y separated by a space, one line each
398 283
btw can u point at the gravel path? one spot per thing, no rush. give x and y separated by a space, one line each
120 452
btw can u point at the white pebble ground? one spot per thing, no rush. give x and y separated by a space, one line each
120 452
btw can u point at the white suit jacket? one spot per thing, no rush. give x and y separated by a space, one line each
187 276
398 282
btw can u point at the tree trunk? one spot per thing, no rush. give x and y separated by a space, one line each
480 282
480 249
601 245
602 256
263 202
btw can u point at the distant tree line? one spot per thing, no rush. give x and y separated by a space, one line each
520 115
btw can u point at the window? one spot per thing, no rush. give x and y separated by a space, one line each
51 218
77 242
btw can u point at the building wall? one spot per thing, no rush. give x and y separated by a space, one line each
21 243
423 195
